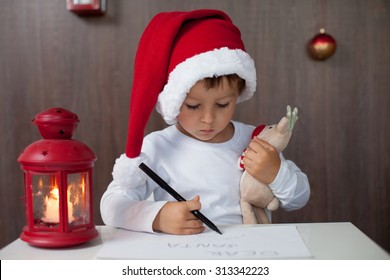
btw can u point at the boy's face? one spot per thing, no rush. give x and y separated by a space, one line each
206 113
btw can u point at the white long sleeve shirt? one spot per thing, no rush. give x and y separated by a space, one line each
191 167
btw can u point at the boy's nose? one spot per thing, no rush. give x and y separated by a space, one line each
208 116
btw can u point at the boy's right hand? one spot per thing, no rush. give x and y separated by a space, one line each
176 218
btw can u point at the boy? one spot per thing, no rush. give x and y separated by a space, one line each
195 67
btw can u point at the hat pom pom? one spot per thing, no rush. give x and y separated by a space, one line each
126 171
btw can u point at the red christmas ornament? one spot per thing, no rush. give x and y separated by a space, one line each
322 46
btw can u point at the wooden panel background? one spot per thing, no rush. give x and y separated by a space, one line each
50 57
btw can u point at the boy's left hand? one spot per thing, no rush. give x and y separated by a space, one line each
262 161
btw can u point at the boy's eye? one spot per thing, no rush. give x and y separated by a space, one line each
192 107
223 105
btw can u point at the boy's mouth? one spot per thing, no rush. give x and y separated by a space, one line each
207 131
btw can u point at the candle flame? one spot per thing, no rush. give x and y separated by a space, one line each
40 183
83 186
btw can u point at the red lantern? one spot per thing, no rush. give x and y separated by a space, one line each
322 46
58 184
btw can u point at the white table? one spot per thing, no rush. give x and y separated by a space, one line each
326 241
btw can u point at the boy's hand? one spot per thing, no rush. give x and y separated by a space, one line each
262 161
176 218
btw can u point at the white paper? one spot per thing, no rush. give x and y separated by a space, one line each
236 242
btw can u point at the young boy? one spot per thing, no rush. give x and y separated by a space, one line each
194 66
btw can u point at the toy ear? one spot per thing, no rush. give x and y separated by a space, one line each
283 125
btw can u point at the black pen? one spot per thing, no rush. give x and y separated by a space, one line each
177 196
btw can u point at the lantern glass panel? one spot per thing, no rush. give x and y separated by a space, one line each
45 200
78 199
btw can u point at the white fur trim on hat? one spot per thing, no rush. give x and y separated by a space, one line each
217 62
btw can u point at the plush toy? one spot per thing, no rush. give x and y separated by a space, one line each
255 195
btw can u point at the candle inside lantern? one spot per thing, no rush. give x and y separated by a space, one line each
52 203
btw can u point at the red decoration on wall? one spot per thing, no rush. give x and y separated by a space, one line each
87 7
322 46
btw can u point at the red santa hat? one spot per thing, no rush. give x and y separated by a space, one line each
176 50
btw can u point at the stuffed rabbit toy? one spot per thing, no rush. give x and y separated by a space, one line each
255 195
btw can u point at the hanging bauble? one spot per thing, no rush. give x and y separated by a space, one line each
322 46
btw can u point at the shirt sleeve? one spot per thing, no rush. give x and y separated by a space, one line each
125 203
291 186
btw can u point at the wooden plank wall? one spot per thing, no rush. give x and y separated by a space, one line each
50 57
